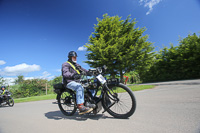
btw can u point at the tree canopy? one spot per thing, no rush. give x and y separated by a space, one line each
177 62
2 81
119 45
20 79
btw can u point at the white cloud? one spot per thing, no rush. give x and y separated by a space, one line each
150 4
82 48
10 81
2 62
19 69
46 75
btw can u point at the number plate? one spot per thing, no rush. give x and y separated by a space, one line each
101 79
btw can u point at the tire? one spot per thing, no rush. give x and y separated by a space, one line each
67 103
119 104
10 102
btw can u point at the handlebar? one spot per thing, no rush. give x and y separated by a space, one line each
98 70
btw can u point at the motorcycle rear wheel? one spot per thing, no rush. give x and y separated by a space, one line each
67 103
121 103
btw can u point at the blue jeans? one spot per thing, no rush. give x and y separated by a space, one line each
79 91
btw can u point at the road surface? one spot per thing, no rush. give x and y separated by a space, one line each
171 107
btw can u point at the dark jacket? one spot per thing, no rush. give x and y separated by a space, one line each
68 72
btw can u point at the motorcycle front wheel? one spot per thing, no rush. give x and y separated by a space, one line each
10 101
67 103
120 102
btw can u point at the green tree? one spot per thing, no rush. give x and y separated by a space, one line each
133 77
20 79
2 81
189 57
176 63
31 87
119 45
57 80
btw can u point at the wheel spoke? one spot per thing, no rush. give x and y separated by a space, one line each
125 103
66 103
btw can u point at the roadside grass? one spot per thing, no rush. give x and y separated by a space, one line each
140 87
35 98
53 96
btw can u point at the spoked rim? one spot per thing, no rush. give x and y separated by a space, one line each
67 103
121 103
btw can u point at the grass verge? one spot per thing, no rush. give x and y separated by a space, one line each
35 98
140 87
53 96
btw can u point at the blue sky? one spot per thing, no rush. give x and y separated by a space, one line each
36 35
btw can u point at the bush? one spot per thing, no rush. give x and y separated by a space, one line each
133 77
27 88
176 63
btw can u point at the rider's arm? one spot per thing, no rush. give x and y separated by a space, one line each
82 68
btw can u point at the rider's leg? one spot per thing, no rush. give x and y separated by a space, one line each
79 91
92 92
79 96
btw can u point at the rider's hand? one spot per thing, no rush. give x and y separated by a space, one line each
89 74
76 76
83 73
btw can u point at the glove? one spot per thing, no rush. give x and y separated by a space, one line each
76 76
83 72
89 74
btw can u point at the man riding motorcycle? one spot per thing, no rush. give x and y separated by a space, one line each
71 72
2 92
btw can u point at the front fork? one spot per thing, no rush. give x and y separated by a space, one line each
113 96
110 91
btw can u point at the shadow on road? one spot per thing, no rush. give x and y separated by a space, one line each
4 106
55 102
57 115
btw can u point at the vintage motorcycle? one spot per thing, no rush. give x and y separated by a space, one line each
7 99
115 98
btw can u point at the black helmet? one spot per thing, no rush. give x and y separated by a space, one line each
72 53
3 87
